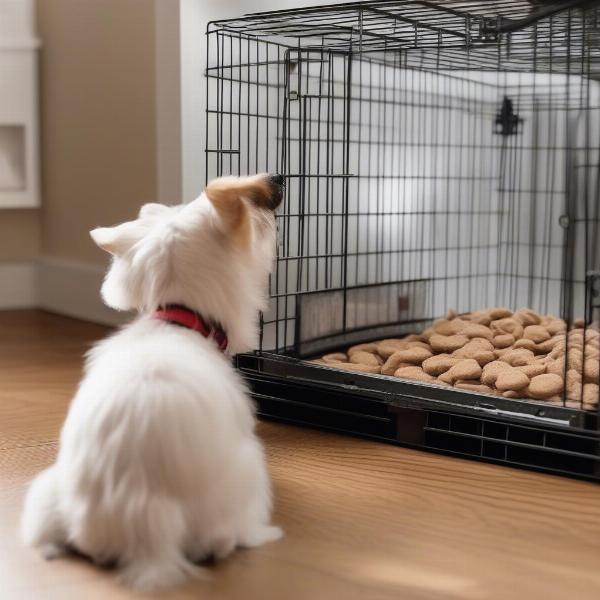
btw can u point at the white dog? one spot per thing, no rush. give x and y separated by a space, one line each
159 466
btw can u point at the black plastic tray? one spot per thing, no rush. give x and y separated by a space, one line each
519 433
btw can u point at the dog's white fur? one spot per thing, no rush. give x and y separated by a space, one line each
159 466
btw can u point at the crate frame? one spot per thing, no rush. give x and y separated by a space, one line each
428 413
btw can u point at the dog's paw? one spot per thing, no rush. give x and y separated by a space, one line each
261 535
223 547
50 551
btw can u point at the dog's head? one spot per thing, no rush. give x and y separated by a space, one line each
200 254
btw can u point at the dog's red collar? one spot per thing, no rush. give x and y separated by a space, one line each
185 317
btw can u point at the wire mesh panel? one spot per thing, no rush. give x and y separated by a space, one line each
436 155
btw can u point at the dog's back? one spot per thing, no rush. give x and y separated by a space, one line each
158 465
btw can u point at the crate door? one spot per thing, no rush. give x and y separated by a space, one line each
313 222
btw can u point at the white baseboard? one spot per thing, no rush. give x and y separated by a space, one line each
17 285
66 287
73 289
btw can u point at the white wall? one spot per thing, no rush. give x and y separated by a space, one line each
194 18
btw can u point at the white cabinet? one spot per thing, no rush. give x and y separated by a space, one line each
19 122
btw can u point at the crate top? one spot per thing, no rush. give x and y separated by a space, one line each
505 35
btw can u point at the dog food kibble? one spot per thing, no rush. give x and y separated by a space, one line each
527 317
410 356
555 326
386 348
503 340
355 367
527 344
418 344
392 364
590 394
536 333
475 350
335 357
371 348
507 325
481 317
532 369
360 357
542 347
474 387
574 385
474 330
413 373
557 352
499 313
443 327
492 370
447 343
556 367
426 334
511 379
576 337
414 356
592 336
591 370
544 386
493 351
467 368
436 365
483 343
591 352
517 358
575 359
397 342
459 325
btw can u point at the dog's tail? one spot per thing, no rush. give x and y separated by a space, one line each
154 573
42 524
157 560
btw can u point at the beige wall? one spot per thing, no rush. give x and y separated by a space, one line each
19 235
98 119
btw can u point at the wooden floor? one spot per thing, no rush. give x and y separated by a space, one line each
362 520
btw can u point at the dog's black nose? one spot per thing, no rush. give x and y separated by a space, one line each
277 184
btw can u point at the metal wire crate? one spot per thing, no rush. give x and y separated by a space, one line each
437 155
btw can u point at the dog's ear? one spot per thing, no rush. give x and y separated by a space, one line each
228 196
119 239
153 209
232 196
